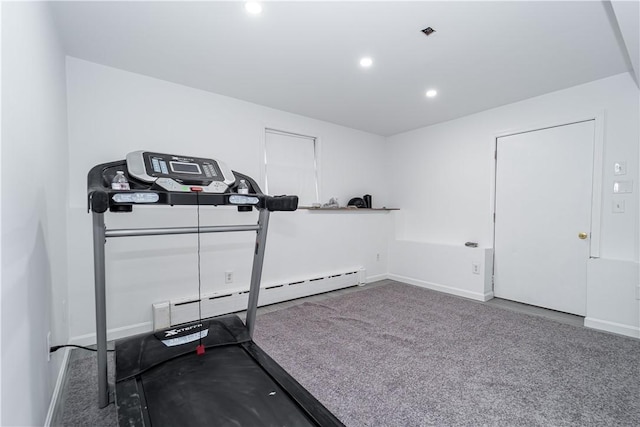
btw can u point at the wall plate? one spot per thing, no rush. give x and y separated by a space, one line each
618 206
622 187
620 168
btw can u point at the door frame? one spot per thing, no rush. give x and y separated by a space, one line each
596 180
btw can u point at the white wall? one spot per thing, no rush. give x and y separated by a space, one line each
612 292
112 112
1 217
444 268
451 166
34 204
627 15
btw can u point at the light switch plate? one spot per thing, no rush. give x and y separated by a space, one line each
620 187
618 206
620 168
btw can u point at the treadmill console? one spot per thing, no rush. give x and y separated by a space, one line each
171 179
180 173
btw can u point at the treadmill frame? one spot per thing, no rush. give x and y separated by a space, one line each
100 235
100 200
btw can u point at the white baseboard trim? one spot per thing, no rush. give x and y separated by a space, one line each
333 281
114 334
127 331
375 278
57 390
442 288
616 328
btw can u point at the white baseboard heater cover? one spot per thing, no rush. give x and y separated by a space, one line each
170 313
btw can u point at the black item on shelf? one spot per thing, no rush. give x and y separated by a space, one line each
357 202
368 203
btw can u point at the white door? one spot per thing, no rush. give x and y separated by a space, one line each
543 216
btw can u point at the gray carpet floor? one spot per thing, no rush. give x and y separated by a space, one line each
397 355
80 396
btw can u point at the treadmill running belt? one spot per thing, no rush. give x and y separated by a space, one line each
223 387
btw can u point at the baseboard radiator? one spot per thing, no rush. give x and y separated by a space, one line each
178 311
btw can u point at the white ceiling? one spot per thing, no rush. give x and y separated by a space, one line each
302 57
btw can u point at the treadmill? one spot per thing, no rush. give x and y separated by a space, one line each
207 372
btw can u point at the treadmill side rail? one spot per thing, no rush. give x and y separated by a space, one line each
129 405
318 413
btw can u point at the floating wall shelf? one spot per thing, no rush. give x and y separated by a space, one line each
347 209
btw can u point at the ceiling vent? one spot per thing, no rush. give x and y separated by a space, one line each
428 31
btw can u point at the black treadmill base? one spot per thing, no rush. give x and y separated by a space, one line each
232 384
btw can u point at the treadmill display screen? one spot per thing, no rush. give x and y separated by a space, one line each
178 173
180 167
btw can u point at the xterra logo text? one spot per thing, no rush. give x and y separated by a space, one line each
173 332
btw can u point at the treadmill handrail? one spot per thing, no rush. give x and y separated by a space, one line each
133 232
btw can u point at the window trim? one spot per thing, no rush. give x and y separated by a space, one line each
315 142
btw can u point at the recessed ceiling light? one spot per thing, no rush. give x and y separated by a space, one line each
431 93
253 7
366 62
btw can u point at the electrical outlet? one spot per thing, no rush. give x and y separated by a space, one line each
228 277
618 206
475 268
48 346
377 257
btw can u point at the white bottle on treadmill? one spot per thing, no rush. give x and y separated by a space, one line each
243 187
120 182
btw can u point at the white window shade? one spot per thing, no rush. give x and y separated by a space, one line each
290 161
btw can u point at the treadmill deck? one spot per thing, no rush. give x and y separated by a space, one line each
234 383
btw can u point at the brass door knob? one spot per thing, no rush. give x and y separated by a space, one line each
582 235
